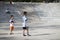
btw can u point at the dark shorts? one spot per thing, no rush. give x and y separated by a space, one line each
25 27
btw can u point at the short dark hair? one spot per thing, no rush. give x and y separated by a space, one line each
25 13
11 15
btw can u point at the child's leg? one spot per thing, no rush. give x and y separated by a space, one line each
24 31
11 28
28 31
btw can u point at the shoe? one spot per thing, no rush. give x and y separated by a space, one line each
10 33
28 34
24 35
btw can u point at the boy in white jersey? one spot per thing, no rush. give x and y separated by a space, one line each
25 27
11 24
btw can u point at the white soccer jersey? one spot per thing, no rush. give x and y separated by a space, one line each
24 21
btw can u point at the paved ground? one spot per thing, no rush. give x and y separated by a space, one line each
40 33
37 33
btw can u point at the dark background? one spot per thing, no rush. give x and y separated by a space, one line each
32 0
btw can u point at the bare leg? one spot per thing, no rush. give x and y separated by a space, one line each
24 32
11 30
28 32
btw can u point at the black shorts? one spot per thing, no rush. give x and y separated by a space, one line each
25 27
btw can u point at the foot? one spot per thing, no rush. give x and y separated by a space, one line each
28 34
11 33
24 35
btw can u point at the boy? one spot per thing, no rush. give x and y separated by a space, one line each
25 28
